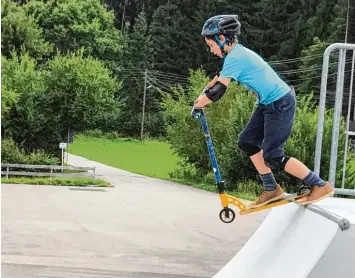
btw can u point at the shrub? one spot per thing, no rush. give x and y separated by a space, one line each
226 119
97 133
56 181
302 142
11 153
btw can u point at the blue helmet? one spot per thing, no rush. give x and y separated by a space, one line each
227 25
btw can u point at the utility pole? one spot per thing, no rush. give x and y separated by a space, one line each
124 13
347 22
346 40
144 93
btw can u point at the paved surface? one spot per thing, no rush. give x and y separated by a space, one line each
291 234
140 227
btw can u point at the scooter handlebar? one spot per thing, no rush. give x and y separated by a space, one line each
196 112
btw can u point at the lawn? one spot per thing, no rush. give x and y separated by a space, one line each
352 163
150 158
56 181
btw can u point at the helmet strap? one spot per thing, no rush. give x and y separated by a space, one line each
220 44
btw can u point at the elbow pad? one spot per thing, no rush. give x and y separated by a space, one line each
216 91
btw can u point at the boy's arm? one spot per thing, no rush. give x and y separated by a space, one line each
213 81
231 69
224 81
217 88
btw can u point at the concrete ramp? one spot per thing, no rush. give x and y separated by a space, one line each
295 242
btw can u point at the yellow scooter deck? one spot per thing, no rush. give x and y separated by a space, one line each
271 205
243 209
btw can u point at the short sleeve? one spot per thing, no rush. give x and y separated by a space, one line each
231 68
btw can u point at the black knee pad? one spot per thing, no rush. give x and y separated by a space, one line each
249 149
278 162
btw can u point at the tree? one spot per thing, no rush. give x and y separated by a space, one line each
24 119
69 91
343 26
167 37
202 57
318 25
138 62
311 68
74 24
79 91
20 32
138 53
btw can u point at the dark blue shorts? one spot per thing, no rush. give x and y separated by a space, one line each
270 126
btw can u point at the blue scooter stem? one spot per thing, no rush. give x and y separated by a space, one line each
210 147
198 113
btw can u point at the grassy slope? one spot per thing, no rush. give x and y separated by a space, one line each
150 158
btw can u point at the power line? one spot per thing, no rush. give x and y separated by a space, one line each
293 60
159 78
311 69
156 85
170 74
319 76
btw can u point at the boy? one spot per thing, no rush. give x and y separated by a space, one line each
269 127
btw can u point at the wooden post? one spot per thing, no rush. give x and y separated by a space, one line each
51 176
93 176
7 173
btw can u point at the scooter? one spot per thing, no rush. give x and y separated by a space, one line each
227 215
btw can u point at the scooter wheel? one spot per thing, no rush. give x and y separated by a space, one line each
227 215
304 189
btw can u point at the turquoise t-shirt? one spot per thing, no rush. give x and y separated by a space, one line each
248 68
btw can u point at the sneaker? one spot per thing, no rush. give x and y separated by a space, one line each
318 193
268 197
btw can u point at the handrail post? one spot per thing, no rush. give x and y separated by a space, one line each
51 176
93 177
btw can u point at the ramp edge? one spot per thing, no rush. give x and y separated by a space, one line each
350 192
342 222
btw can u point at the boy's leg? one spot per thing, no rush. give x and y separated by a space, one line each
320 188
279 117
265 173
250 141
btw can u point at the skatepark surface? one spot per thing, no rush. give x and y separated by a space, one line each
297 242
144 228
141 227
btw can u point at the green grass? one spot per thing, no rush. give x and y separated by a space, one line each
55 181
352 163
242 194
149 158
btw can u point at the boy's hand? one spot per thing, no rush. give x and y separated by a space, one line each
202 101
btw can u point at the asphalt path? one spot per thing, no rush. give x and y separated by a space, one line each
139 227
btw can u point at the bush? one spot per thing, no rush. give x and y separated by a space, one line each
11 153
302 142
25 85
226 119
130 123
56 181
68 91
97 133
